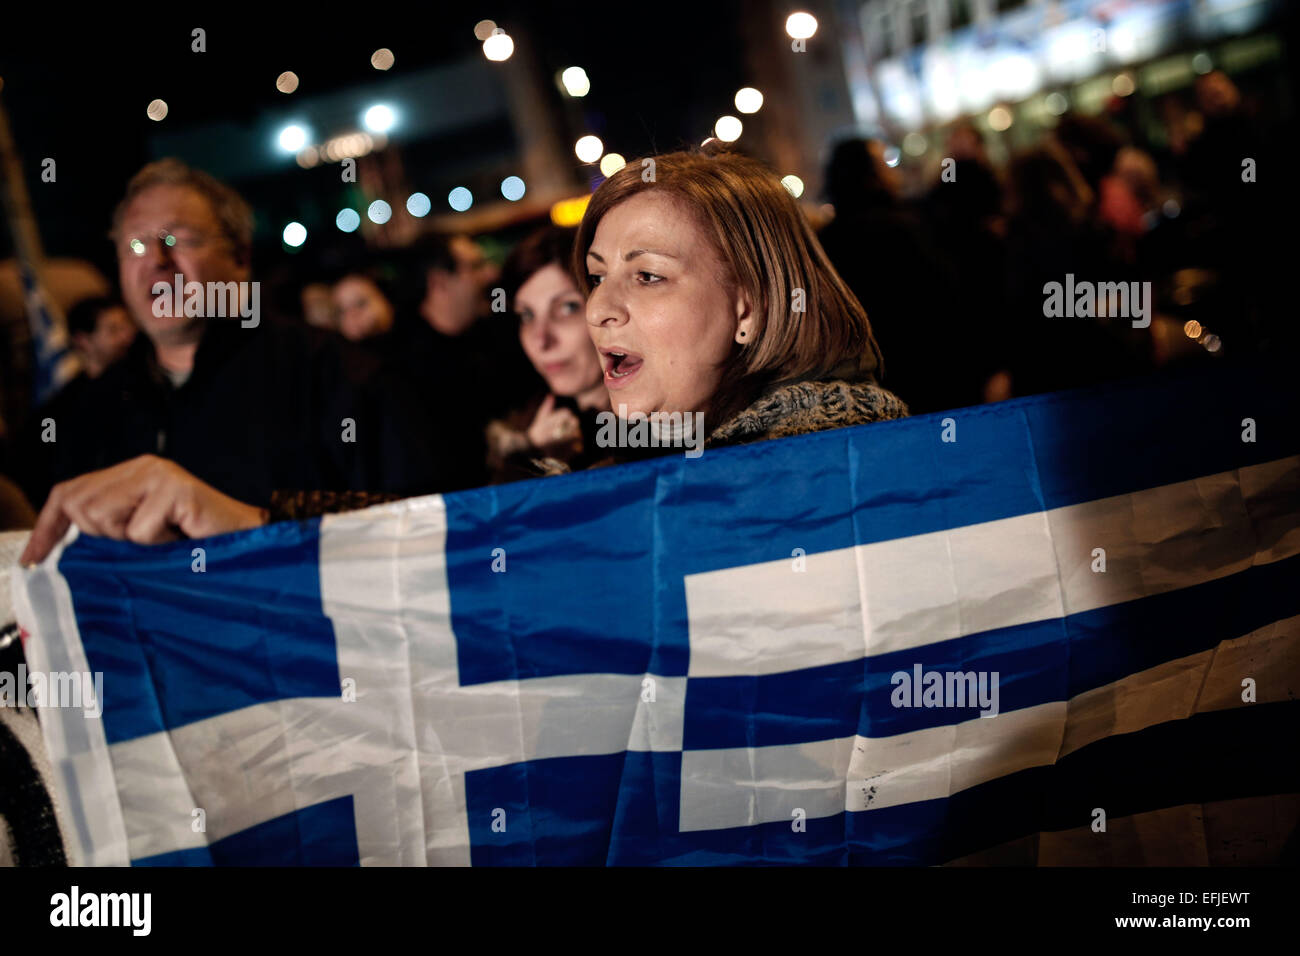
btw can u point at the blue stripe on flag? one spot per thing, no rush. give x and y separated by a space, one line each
320 835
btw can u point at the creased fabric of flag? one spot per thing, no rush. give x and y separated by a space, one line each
695 661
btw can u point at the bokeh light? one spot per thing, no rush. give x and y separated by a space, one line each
800 26
460 199
575 81
379 118
728 129
286 82
382 59
611 163
379 212
157 110
348 220
793 185
513 188
418 205
749 100
589 149
292 138
498 46
295 234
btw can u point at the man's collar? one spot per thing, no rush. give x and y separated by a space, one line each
220 337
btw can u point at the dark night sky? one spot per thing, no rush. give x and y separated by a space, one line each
660 73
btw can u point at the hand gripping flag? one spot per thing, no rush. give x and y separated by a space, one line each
1056 629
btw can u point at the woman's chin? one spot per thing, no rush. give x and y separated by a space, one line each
562 386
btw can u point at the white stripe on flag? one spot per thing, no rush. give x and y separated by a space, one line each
750 785
908 592
76 744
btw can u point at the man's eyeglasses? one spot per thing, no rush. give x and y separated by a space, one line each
181 240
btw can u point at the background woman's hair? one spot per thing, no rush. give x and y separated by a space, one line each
770 252
550 245
382 275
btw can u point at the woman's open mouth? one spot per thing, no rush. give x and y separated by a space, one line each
620 366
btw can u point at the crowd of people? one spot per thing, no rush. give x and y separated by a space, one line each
703 288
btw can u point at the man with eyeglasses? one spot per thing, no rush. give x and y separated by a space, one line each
250 406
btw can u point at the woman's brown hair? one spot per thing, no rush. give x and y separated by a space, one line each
770 252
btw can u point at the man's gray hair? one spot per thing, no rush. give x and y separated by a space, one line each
233 214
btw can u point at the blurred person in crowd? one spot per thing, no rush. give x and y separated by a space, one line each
1091 143
1052 233
965 211
1227 134
16 513
248 405
456 343
561 422
1130 193
100 332
1130 199
457 275
319 309
965 143
364 309
1234 194
900 275
689 282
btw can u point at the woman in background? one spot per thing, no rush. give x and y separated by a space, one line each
364 310
560 424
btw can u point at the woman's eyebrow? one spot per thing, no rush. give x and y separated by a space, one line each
654 252
634 253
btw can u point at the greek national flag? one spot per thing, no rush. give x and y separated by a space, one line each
55 365
1046 620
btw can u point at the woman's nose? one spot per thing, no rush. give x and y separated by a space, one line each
540 334
604 308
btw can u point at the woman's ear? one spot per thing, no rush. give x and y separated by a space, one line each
745 324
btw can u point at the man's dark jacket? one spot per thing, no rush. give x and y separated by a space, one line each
276 407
